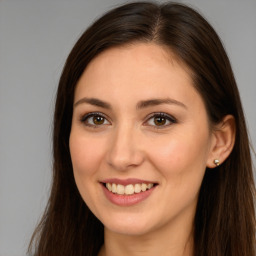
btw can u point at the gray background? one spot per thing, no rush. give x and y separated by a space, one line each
35 38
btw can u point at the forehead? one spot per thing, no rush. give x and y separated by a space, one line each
139 53
138 70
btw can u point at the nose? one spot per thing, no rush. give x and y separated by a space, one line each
125 149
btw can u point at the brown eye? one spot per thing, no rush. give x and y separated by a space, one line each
159 120
98 120
94 120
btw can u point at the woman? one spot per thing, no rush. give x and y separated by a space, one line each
151 153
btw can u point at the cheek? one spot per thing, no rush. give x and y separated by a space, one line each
181 163
85 154
183 153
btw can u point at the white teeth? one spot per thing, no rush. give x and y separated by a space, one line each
144 187
128 189
120 189
137 188
114 188
150 185
109 187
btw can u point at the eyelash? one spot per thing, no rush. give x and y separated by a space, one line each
84 119
169 118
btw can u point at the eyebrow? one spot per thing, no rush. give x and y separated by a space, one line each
140 105
94 102
156 102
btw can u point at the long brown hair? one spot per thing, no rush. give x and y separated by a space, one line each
225 220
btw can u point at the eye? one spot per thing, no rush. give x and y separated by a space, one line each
95 119
160 120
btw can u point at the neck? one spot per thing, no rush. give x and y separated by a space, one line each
164 241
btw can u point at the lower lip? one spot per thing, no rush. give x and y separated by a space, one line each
127 200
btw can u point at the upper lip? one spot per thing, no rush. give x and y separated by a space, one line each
127 181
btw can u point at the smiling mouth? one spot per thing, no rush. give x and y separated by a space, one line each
129 189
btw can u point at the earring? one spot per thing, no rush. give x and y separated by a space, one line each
216 162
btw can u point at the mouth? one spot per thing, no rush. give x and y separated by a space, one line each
127 192
129 189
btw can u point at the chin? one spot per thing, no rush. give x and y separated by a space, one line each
129 226
129 231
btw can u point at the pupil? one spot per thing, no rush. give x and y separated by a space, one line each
160 120
98 120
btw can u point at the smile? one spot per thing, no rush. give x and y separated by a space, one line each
127 192
129 189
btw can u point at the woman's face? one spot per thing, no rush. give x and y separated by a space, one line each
138 124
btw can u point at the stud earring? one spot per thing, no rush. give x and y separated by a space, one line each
216 162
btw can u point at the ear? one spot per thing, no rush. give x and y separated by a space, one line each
223 141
